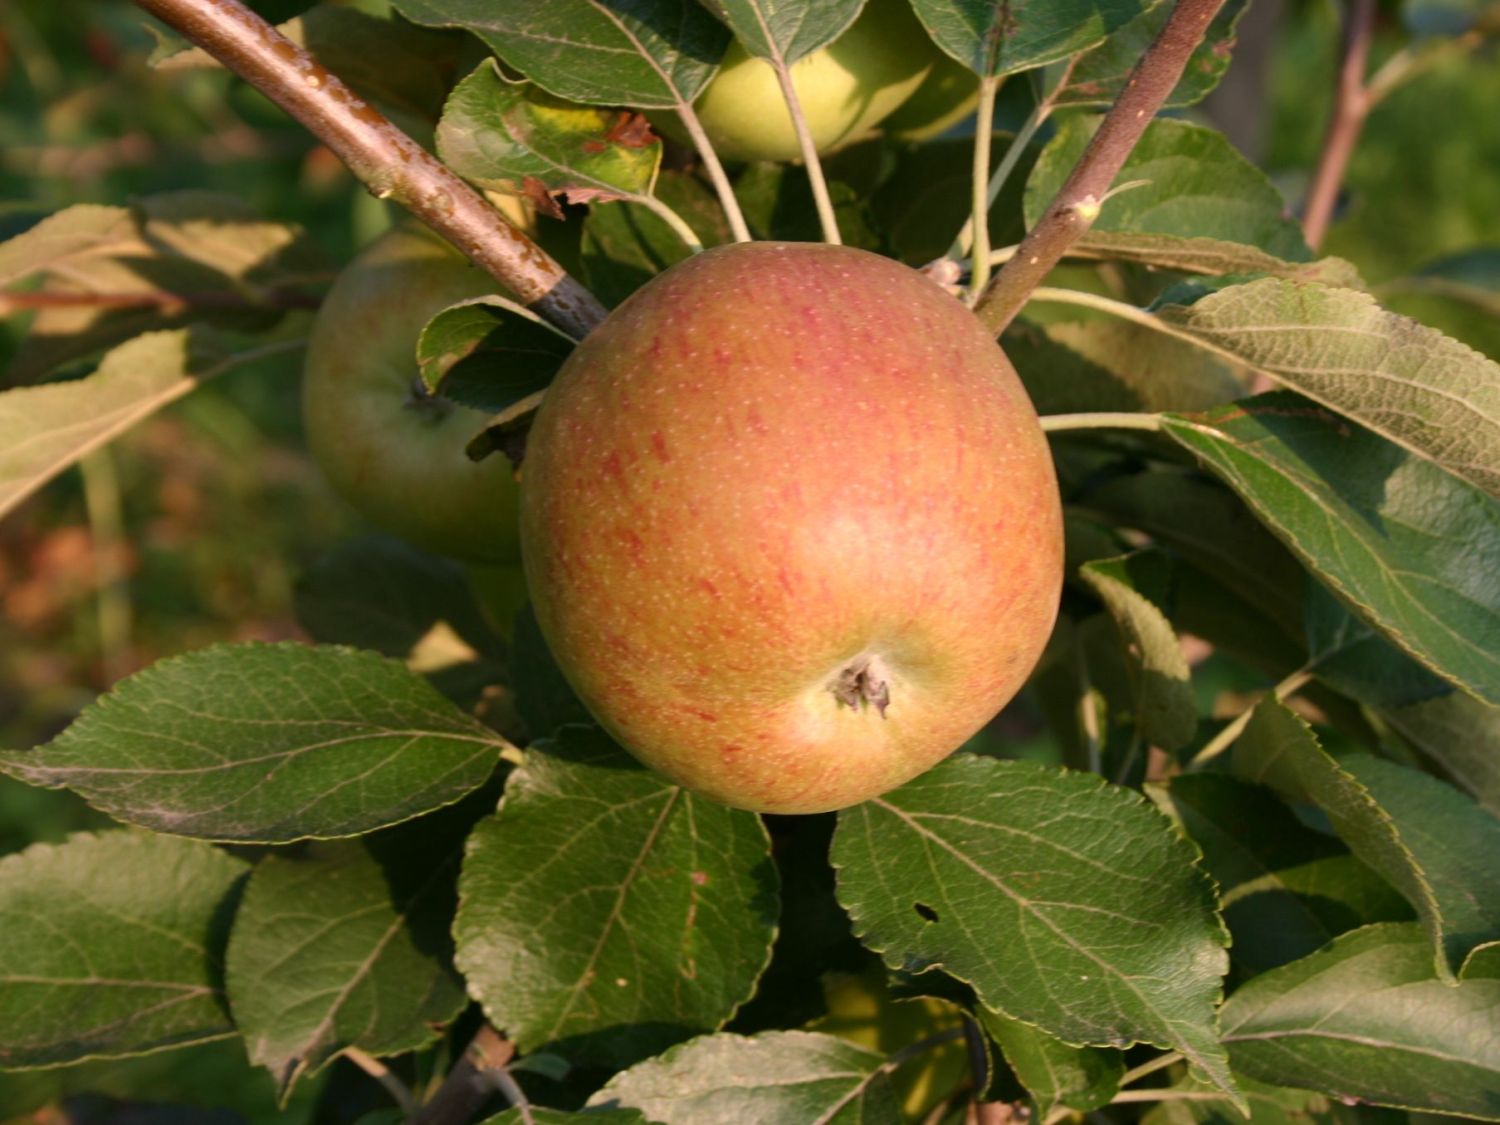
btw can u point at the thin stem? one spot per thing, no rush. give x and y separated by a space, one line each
716 174
386 160
678 224
1099 420
1166 1095
1412 61
1151 1066
1350 107
377 1070
979 200
511 1090
821 199
1226 737
1077 202
1013 153
101 497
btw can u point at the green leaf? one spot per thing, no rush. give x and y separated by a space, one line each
489 353
1471 276
46 429
774 198
1054 1073
1413 549
993 38
605 912
1460 734
1201 521
1209 256
267 743
1082 365
543 695
1365 1019
380 593
1000 873
1396 824
783 31
1197 186
516 138
112 947
179 258
778 1076
1425 391
1285 890
345 944
650 54
1098 76
1351 657
1131 586
627 244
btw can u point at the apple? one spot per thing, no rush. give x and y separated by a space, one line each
946 96
790 525
845 89
393 452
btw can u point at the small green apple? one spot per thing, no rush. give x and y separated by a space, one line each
396 454
845 89
790 525
946 96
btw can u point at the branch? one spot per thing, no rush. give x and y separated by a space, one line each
386 160
468 1084
1351 104
1077 203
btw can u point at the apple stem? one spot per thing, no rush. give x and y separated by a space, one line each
387 161
1099 420
815 178
979 216
716 174
1013 153
1076 204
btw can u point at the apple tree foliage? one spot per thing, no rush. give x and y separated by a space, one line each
1127 901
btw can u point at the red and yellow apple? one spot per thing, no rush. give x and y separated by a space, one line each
790 525
393 452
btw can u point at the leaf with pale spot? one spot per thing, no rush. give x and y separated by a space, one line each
777 1076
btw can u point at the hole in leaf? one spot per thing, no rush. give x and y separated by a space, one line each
924 911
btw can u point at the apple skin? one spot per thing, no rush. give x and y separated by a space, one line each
772 467
396 458
946 96
845 89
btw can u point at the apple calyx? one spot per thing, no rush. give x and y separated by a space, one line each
863 682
